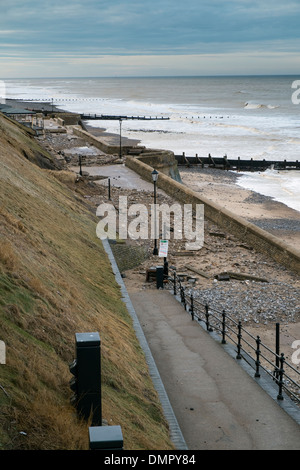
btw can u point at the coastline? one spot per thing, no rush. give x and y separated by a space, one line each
114 138
263 211
260 304
221 187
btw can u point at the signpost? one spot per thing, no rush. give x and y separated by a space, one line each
163 248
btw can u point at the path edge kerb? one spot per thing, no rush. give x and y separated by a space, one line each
175 431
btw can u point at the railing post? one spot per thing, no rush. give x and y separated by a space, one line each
277 352
257 362
280 381
175 283
108 183
238 356
208 327
223 327
192 306
183 296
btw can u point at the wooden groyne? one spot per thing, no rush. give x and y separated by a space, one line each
105 117
237 164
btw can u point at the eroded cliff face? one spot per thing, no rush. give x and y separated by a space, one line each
56 280
19 139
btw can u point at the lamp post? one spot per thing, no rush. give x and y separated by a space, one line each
120 151
154 175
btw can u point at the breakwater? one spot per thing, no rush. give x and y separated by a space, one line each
237 164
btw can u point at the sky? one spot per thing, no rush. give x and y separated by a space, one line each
95 38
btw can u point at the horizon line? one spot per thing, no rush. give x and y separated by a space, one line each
152 76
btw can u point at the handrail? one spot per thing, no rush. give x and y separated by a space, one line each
230 328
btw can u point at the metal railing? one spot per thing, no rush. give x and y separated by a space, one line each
248 347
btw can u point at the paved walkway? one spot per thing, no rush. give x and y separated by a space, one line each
218 405
216 401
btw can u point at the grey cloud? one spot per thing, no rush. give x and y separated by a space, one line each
157 26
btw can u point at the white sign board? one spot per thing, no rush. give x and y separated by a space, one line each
163 248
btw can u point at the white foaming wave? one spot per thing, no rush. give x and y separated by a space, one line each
282 186
191 128
253 105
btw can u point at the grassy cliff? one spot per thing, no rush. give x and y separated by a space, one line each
56 280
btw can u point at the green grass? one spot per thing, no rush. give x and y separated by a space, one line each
56 280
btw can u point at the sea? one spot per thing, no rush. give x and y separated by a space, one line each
238 116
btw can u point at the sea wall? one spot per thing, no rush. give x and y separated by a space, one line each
246 231
68 119
163 161
105 144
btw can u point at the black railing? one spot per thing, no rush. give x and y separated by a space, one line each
248 347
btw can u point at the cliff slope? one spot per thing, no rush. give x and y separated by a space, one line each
56 280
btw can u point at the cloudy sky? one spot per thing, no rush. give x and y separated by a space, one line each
80 38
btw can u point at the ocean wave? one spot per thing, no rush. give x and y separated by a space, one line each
250 105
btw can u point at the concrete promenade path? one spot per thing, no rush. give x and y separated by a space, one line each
217 403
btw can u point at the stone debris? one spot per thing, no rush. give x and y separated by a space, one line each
252 301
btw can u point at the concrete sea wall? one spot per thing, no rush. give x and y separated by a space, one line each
104 144
246 231
164 160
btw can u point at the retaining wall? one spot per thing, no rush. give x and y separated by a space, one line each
163 160
105 144
246 231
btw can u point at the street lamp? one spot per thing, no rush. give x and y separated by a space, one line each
120 151
154 175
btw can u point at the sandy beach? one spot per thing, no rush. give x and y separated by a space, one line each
221 187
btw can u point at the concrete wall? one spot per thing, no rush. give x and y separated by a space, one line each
67 119
246 231
103 144
162 160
